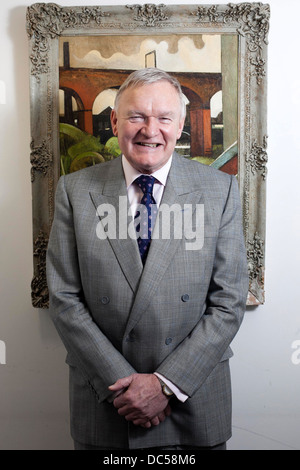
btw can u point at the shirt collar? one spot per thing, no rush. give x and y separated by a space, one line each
131 173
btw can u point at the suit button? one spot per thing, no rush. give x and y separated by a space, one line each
185 297
130 338
105 300
168 341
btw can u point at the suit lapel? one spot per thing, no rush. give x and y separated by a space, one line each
114 196
162 250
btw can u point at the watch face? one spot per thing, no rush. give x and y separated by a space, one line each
167 391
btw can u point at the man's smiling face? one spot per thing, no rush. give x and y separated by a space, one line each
148 123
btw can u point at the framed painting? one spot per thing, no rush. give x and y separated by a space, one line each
79 57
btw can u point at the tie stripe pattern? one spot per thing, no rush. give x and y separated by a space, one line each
146 214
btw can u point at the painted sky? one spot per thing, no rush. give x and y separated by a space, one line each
193 53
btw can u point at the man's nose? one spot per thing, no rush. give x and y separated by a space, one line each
150 127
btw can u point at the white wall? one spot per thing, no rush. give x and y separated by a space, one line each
266 384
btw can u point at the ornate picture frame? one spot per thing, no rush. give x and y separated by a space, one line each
47 23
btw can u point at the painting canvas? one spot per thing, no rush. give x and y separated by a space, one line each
91 69
80 55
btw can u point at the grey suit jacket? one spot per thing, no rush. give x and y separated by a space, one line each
177 315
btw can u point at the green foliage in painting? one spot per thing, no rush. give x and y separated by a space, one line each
79 150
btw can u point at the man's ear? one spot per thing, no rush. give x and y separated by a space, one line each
114 120
180 128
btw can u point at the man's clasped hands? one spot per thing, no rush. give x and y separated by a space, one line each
139 399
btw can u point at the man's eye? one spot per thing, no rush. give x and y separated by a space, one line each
136 118
165 119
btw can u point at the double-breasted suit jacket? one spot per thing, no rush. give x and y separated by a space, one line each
177 315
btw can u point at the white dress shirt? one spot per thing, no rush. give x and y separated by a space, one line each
135 195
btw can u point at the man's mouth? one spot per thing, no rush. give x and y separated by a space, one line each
144 144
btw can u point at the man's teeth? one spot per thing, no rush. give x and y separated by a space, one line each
148 145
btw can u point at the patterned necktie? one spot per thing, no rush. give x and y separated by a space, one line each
146 215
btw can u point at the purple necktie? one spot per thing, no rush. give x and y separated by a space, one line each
146 215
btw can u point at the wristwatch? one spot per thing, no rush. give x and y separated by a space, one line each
165 389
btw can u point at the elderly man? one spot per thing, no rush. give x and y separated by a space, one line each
147 320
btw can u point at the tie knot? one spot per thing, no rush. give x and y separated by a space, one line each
145 182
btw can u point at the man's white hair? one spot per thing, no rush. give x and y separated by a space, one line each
149 76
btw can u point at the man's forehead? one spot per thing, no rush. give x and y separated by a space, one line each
150 88
140 96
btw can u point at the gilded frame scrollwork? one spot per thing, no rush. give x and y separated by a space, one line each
47 22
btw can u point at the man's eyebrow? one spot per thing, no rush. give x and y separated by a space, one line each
132 112
167 113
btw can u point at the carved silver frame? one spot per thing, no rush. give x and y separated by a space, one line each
46 22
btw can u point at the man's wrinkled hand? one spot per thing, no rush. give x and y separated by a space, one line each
141 400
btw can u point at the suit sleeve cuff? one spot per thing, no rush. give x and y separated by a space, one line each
177 392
